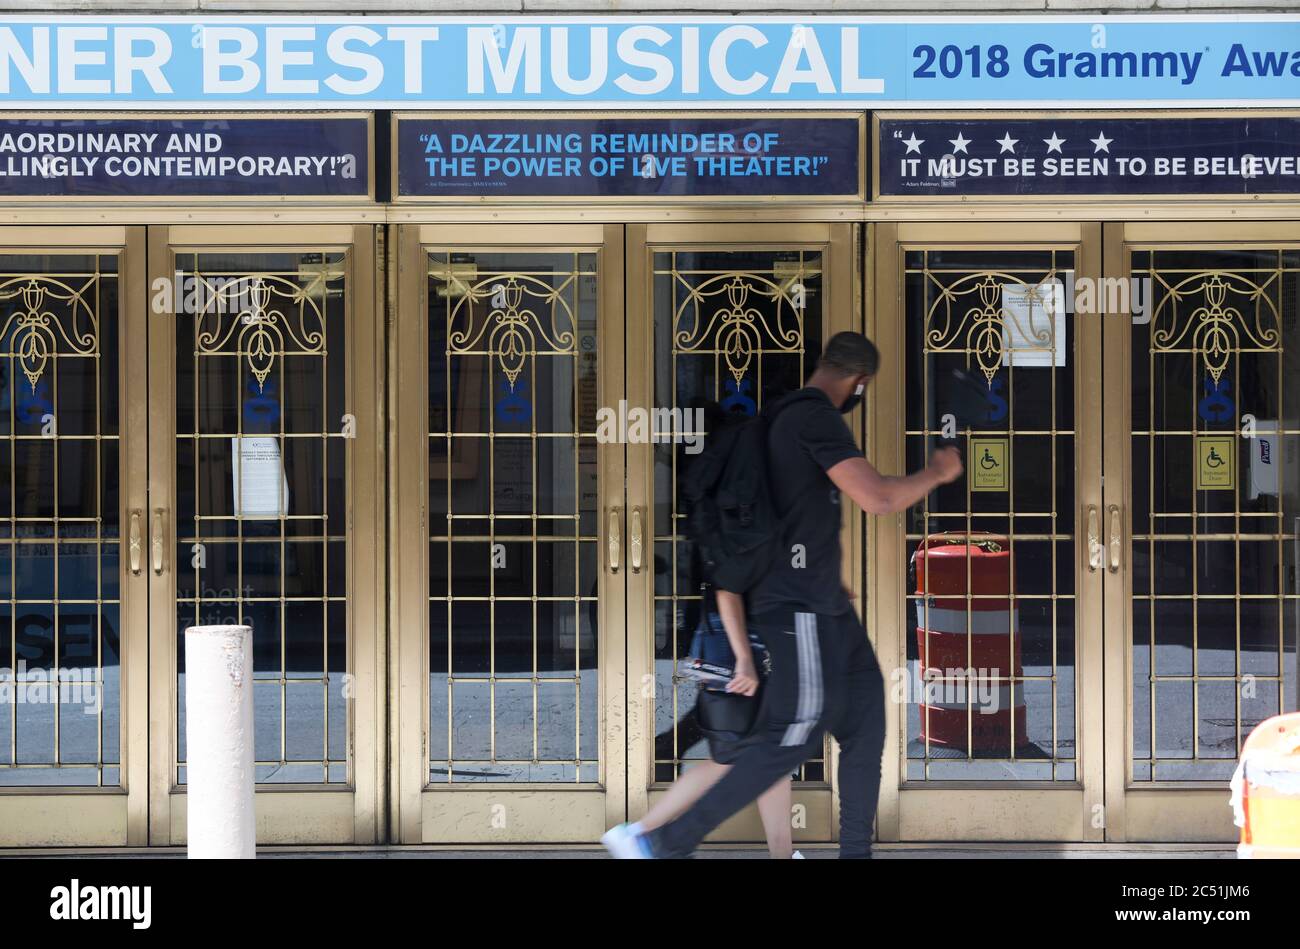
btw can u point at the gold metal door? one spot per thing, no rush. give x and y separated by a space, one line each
727 316
266 435
510 534
73 634
986 597
1202 506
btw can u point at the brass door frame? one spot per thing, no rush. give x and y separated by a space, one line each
76 816
1151 810
842 311
536 813
288 813
946 810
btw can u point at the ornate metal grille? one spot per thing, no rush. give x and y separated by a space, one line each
60 606
261 462
514 691
732 329
991 643
1214 589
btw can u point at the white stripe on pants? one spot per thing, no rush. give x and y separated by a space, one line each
808 709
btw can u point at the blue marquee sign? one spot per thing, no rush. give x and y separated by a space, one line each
644 62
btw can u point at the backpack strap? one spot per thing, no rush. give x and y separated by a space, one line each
773 409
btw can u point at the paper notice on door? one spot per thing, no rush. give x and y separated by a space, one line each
1033 324
261 488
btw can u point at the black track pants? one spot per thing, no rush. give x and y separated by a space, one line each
824 678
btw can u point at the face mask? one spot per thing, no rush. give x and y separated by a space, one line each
852 402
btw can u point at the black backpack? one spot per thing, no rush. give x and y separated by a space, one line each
733 520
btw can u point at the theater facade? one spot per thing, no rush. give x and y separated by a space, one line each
393 336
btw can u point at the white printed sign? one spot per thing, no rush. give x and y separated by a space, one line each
1033 324
261 488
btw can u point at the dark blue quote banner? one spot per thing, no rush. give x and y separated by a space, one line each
628 157
1118 155
185 157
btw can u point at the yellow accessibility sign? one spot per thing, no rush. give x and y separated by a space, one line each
989 464
1216 463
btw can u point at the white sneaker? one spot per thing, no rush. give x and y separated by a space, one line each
623 842
796 856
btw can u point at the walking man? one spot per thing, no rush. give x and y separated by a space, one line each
824 673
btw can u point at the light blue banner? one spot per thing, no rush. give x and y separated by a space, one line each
651 62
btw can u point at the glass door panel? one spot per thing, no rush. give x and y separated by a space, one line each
71 382
522 641
990 628
736 317
995 630
261 486
733 338
512 559
264 482
1208 596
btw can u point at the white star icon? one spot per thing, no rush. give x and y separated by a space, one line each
1008 143
913 144
959 143
1054 144
1101 142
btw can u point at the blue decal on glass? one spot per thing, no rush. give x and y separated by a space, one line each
1217 404
997 406
261 408
31 403
738 401
512 408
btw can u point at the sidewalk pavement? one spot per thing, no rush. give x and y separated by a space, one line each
947 851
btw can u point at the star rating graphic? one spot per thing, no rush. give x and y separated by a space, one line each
1006 144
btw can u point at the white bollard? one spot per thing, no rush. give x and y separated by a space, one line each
221 820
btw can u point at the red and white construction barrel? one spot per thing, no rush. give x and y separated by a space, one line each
1266 790
968 631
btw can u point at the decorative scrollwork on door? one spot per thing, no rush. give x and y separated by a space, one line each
1217 327
969 314
728 313
38 324
266 316
513 316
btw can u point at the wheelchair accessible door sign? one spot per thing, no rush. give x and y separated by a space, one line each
989 464
1216 463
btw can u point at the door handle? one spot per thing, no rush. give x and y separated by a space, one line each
1116 537
157 541
134 548
634 541
615 533
133 545
1095 551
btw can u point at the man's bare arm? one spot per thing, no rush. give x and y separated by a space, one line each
886 494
